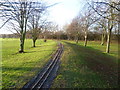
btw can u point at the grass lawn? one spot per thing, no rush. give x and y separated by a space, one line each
17 69
87 67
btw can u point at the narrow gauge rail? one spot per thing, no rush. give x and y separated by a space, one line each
39 80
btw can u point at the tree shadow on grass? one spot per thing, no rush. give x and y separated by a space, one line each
32 51
40 46
16 74
100 63
20 73
37 51
22 69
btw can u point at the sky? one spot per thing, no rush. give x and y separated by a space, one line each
61 14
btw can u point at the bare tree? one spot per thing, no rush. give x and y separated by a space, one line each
38 22
74 29
35 22
108 10
102 25
55 30
18 12
46 28
87 20
69 32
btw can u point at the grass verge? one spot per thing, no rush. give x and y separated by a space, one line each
86 67
19 68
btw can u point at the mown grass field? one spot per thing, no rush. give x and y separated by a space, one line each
17 69
87 67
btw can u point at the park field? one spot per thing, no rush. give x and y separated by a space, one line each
81 67
88 67
19 68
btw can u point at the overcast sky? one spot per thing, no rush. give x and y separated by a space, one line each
65 11
61 14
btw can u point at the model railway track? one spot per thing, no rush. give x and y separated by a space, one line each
45 73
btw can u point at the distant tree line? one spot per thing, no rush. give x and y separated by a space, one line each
98 21
63 36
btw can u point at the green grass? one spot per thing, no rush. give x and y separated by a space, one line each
0 66
96 45
17 69
87 67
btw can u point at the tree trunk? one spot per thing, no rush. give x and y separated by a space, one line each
85 44
22 39
34 43
108 41
45 39
103 39
76 39
68 37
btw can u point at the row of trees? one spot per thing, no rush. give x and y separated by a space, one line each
24 16
99 19
99 16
